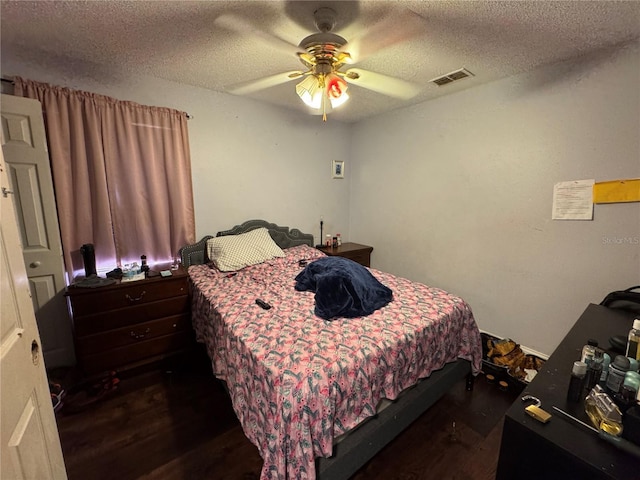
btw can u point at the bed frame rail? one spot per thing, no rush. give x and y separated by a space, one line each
360 445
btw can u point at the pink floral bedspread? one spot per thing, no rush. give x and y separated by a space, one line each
297 381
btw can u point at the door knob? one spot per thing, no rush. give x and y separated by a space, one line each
35 264
35 352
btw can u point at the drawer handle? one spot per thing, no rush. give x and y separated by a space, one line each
138 336
136 299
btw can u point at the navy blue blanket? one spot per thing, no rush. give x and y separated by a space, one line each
343 288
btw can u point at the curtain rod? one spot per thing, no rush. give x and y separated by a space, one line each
12 82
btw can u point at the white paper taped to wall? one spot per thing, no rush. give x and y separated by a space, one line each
573 200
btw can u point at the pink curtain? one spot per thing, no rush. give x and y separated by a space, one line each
122 176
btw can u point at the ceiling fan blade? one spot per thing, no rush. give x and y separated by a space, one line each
252 86
391 86
386 33
244 27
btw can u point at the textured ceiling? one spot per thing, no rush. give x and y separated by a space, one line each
188 42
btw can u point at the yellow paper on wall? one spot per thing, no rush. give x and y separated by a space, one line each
617 191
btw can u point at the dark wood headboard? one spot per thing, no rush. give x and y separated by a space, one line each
196 254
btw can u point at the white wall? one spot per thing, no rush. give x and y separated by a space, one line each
457 193
249 160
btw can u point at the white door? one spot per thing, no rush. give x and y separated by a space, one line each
30 443
24 146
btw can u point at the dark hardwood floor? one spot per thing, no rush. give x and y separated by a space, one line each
177 423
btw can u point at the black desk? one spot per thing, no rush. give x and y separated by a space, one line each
563 449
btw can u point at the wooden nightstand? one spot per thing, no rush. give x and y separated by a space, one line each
353 251
129 324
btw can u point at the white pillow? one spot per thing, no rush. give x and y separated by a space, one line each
233 252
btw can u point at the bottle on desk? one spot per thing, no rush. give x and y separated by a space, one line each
603 412
589 351
576 383
594 369
633 340
606 361
617 370
626 397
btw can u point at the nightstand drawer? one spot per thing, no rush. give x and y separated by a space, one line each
353 251
108 320
133 334
141 352
127 295
363 258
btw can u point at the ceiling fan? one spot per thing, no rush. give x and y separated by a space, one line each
325 55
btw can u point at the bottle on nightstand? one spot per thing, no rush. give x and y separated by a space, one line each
143 265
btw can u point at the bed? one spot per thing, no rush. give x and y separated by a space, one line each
320 397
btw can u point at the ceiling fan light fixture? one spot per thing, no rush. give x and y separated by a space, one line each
317 90
310 91
336 90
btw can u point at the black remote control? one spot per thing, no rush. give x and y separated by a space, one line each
263 304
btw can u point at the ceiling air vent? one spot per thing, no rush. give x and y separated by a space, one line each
452 77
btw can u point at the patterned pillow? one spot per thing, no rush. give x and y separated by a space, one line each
233 252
